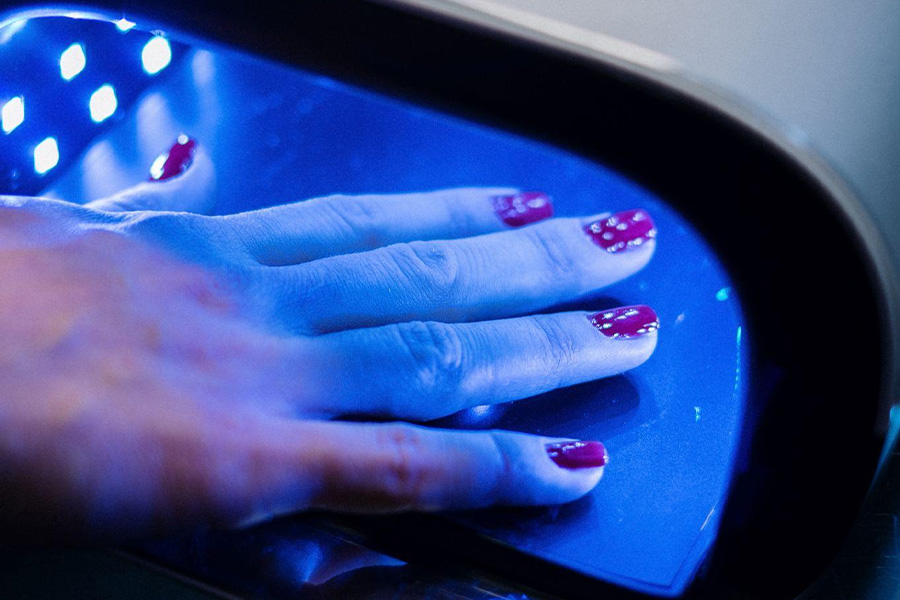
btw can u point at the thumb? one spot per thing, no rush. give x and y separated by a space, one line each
181 180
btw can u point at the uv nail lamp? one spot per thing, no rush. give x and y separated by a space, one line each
741 452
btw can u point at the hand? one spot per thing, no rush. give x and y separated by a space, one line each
167 369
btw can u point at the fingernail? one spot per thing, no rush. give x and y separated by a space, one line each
622 231
578 454
174 162
626 322
523 208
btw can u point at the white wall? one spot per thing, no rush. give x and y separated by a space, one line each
830 67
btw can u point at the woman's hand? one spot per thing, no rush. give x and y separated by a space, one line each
166 369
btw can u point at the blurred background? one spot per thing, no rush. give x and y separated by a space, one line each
828 70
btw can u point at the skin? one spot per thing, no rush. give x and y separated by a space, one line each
164 370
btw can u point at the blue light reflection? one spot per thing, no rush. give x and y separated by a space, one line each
124 25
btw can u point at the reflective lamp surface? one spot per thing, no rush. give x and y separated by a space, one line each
278 134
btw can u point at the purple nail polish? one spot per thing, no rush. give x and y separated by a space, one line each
622 231
625 322
176 161
578 454
521 209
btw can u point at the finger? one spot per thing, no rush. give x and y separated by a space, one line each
321 227
397 467
178 470
424 371
479 278
181 180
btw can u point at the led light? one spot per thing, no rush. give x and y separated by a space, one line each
124 25
46 156
13 114
103 103
72 61
156 55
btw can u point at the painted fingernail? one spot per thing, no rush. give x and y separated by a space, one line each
578 454
523 208
626 322
174 162
622 231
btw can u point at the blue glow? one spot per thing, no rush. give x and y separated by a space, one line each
642 416
13 114
156 55
124 25
737 366
46 156
10 29
480 411
103 103
893 431
723 294
72 61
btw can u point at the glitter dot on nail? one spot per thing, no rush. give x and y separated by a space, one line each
626 322
174 162
627 230
524 208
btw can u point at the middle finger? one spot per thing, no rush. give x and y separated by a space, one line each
484 277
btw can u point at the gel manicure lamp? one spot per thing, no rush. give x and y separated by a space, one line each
742 452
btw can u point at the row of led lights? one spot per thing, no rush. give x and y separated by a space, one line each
155 56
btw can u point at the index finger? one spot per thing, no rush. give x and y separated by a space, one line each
329 226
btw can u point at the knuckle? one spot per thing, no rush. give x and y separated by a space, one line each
504 470
437 356
199 236
432 268
136 199
360 215
404 473
558 346
102 238
295 297
557 257
143 221
160 224
459 216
